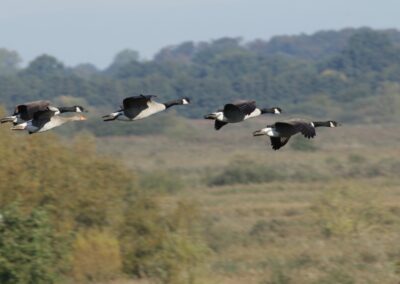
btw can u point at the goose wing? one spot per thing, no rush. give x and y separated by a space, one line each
290 128
279 142
42 117
132 106
219 124
236 112
27 110
136 101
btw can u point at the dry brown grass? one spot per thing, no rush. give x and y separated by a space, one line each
276 232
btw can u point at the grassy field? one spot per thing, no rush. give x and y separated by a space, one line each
332 216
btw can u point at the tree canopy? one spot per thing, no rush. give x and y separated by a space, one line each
325 73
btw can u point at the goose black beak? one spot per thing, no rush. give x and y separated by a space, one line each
208 116
258 133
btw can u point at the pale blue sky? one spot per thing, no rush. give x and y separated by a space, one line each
78 31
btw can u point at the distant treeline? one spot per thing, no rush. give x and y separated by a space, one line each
351 75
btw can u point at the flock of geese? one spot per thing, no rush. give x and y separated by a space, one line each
40 116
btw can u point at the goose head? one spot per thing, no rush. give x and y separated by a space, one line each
185 101
80 109
261 132
275 110
269 131
333 123
215 115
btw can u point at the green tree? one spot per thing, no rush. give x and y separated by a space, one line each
28 247
45 65
9 61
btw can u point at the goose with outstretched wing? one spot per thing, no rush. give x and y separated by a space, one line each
44 120
239 111
24 112
280 132
139 107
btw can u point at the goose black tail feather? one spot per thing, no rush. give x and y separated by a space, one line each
8 119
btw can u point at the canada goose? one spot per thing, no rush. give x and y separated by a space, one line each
24 112
280 132
237 112
44 120
139 107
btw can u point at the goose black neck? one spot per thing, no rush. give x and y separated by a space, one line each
172 103
321 123
66 109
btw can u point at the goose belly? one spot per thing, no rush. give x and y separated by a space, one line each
153 108
255 113
50 125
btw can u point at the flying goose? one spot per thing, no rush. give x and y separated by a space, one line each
44 120
238 112
280 132
139 107
24 112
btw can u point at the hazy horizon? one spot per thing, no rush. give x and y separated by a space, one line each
94 31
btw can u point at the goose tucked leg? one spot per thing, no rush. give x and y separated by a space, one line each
21 126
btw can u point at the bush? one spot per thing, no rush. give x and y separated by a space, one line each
179 260
167 248
245 173
279 274
29 251
263 230
161 182
346 212
95 257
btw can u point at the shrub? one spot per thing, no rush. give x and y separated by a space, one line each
29 252
164 182
179 259
346 212
263 228
245 173
95 257
279 274
165 247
